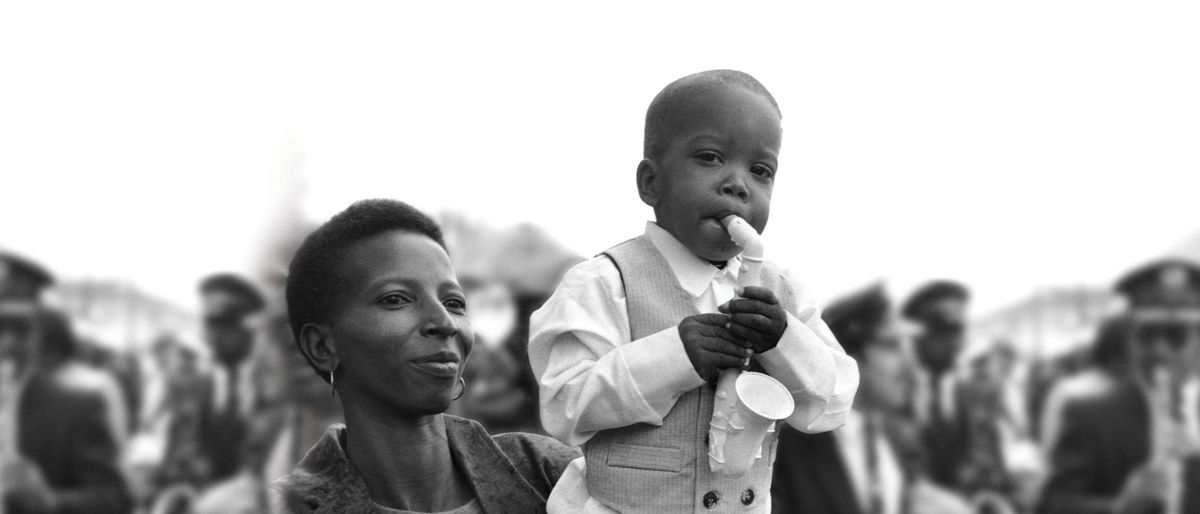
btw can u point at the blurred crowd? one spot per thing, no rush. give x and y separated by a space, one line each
943 425
941 422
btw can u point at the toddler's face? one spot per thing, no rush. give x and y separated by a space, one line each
721 161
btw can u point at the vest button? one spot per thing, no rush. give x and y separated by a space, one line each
711 499
747 496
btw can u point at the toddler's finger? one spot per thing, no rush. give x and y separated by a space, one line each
745 336
723 361
729 348
711 318
757 293
717 332
756 322
751 305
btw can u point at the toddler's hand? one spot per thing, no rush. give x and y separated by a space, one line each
756 318
709 345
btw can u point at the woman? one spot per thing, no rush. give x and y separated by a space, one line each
378 313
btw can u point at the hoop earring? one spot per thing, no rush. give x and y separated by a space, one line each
332 391
462 381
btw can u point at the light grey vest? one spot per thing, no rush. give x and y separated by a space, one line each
661 470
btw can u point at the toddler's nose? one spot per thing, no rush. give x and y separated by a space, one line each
733 186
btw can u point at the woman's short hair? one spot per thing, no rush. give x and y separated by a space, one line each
312 276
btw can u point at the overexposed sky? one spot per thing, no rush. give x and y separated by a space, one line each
1012 145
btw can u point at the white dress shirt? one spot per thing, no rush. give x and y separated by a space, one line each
851 439
246 388
593 377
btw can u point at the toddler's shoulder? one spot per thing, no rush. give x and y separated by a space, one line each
597 272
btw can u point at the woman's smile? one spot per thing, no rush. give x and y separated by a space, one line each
440 364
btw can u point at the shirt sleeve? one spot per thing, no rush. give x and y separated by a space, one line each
591 376
811 363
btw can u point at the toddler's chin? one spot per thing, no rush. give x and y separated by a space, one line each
718 251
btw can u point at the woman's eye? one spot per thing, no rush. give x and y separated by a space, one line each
456 304
393 299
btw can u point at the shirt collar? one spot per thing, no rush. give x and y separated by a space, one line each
693 273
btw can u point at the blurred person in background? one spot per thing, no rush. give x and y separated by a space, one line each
502 395
377 311
1132 447
229 302
58 449
307 408
1045 373
166 452
874 463
236 425
120 367
939 311
1002 464
1109 368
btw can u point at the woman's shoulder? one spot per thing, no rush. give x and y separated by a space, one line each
323 480
541 460
538 447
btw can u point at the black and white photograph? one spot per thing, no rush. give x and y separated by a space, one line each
922 257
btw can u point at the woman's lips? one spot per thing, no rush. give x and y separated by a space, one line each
443 364
440 369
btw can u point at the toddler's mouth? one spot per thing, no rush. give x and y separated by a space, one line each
724 213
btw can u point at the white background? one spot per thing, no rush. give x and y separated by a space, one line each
1012 145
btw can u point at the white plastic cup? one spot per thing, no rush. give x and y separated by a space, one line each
760 402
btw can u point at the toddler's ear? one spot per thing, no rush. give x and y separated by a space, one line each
648 182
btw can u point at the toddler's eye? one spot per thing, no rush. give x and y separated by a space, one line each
709 157
762 171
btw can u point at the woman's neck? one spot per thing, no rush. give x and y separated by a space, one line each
405 462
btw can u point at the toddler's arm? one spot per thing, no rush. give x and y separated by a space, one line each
813 366
591 376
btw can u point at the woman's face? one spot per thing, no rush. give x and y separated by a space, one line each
402 334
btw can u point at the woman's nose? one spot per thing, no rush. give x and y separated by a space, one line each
438 322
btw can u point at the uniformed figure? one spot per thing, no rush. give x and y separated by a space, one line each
939 310
22 279
1133 447
229 303
872 464
58 451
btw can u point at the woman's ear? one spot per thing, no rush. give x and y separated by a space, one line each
317 346
648 182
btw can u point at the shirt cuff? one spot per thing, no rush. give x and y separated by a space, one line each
802 360
821 378
660 369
